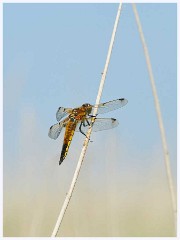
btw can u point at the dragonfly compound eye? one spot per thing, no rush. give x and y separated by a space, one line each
86 105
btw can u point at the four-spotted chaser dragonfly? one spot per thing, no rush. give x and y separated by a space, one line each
80 119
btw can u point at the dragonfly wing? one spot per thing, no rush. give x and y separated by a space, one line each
100 124
109 106
62 112
55 130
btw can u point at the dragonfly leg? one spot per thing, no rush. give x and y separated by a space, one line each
87 122
91 115
81 129
84 125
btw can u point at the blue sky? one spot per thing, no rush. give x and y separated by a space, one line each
54 55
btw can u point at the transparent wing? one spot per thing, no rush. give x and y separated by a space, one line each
55 130
62 112
100 124
109 106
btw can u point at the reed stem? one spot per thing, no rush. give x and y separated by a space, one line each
160 119
86 141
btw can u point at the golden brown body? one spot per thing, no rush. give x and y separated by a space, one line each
70 129
77 115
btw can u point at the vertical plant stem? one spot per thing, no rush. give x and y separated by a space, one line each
159 116
86 141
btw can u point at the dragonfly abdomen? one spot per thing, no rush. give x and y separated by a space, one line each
70 129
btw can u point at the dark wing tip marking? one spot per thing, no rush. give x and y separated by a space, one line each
64 109
123 99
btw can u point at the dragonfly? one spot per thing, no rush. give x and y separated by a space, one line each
80 119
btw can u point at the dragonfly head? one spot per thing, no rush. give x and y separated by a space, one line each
86 105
